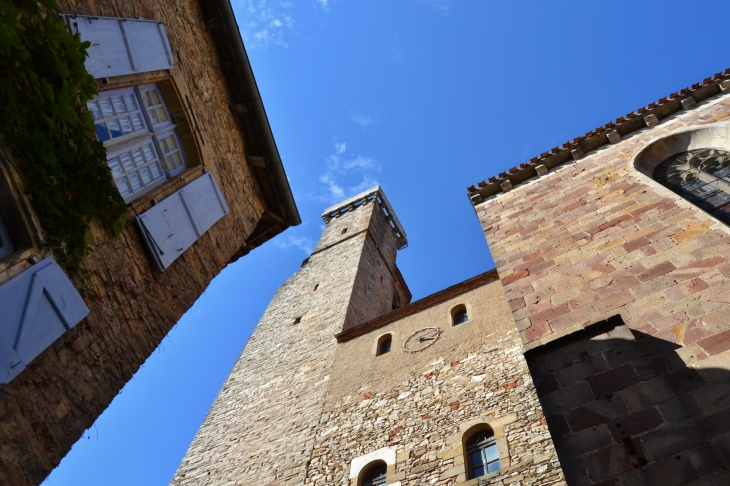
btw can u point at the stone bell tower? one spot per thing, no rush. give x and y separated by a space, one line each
260 429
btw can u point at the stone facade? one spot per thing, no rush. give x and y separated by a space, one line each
599 238
423 405
45 409
264 423
310 402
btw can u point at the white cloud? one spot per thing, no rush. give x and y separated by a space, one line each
303 243
437 5
345 176
323 3
264 22
362 120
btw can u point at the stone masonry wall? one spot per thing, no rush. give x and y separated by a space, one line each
598 238
421 404
261 427
45 410
614 418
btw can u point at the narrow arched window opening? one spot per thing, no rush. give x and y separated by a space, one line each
482 456
385 344
459 315
375 476
702 177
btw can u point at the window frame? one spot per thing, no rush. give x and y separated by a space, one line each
457 309
381 341
472 444
381 480
152 133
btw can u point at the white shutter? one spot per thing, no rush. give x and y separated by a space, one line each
122 46
174 224
38 306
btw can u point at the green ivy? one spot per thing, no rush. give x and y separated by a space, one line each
44 88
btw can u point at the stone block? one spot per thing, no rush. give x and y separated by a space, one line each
646 394
613 137
674 438
567 398
635 424
541 170
614 380
715 424
688 103
585 441
582 370
577 153
671 471
506 186
576 472
684 381
609 461
651 120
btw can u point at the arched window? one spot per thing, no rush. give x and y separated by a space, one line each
385 344
459 315
701 176
482 456
375 475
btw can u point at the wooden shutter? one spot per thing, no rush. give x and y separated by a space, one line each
122 46
38 306
174 224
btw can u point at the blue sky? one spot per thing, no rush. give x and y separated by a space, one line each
424 97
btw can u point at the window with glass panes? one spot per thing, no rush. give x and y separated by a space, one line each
700 176
143 147
376 476
481 454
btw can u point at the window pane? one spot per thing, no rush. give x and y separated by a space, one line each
146 176
137 122
115 166
113 126
135 181
94 109
127 163
161 114
131 102
102 133
719 199
106 108
493 467
174 161
491 453
138 157
118 103
476 459
126 123
123 187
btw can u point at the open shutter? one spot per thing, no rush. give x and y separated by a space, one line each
122 46
38 306
174 224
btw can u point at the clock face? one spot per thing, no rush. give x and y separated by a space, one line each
421 339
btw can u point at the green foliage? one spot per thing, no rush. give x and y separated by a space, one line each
44 87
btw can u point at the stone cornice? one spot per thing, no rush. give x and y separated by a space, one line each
611 132
419 305
373 194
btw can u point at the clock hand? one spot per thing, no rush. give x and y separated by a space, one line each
421 338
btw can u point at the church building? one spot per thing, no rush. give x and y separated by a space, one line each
596 353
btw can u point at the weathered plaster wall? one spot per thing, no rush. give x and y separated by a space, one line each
597 238
262 426
419 405
133 306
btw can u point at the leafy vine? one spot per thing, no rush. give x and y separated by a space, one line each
44 88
